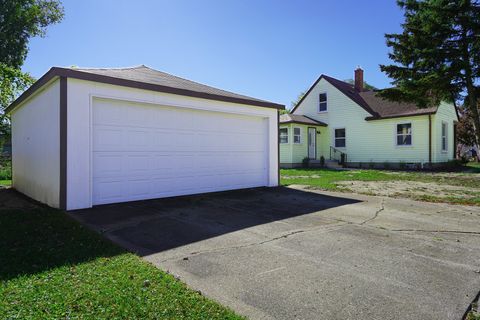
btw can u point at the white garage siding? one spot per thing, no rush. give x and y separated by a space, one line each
36 145
143 151
247 129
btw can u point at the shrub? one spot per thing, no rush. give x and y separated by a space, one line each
5 169
402 165
306 162
386 165
322 161
454 164
371 165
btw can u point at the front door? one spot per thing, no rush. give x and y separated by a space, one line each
312 143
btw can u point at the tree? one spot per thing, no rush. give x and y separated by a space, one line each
20 20
12 82
297 100
437 56
366 85
465 128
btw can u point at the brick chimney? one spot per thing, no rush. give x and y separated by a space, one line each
359 79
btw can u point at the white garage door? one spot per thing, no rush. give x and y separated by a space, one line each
143 151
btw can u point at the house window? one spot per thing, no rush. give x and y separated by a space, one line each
322 102
340 138
404 134
283 135
444 136
297 135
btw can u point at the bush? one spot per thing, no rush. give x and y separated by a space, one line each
5 169
371 165
306 162
454 164
322 161
386 165
402 165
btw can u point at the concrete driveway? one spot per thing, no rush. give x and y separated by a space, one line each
290 253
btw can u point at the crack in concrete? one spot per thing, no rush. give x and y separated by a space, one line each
283 236
375 216
435 231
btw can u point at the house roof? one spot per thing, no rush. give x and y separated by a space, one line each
370 101
296 118
392 109
143 77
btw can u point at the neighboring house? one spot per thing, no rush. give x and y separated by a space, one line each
340 121
84 137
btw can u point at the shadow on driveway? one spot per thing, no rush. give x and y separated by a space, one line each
153 226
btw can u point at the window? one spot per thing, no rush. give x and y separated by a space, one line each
322 102
444 136
297 135
404 134
283 135
340 138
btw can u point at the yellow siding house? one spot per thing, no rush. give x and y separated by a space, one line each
343 123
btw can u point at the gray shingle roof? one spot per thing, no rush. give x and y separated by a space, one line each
391 109
144 78
296 118
148 75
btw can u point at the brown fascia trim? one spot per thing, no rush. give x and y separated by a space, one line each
369 110
81 75
305 123
63 144
400 116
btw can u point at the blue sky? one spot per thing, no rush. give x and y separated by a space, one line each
266 49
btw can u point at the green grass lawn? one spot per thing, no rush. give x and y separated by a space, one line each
332 180
5 182
53 268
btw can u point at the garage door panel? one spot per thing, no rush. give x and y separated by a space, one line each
143 151
107 138
107 164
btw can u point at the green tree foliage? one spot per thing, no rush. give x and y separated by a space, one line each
20 20
12 82
297 100
437 56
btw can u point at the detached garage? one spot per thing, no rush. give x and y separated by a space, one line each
84 137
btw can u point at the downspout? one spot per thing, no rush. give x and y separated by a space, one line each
278 148
430 139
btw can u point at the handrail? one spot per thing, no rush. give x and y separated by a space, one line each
338 155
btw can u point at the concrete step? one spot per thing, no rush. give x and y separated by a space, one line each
333 164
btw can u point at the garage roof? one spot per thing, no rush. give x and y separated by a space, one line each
143 77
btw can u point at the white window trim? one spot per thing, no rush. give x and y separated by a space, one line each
300 135
279 135
334 140
395 135
446 137
318 105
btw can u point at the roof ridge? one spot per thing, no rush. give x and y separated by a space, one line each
112 68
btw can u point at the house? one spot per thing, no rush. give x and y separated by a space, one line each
345 123
84 137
